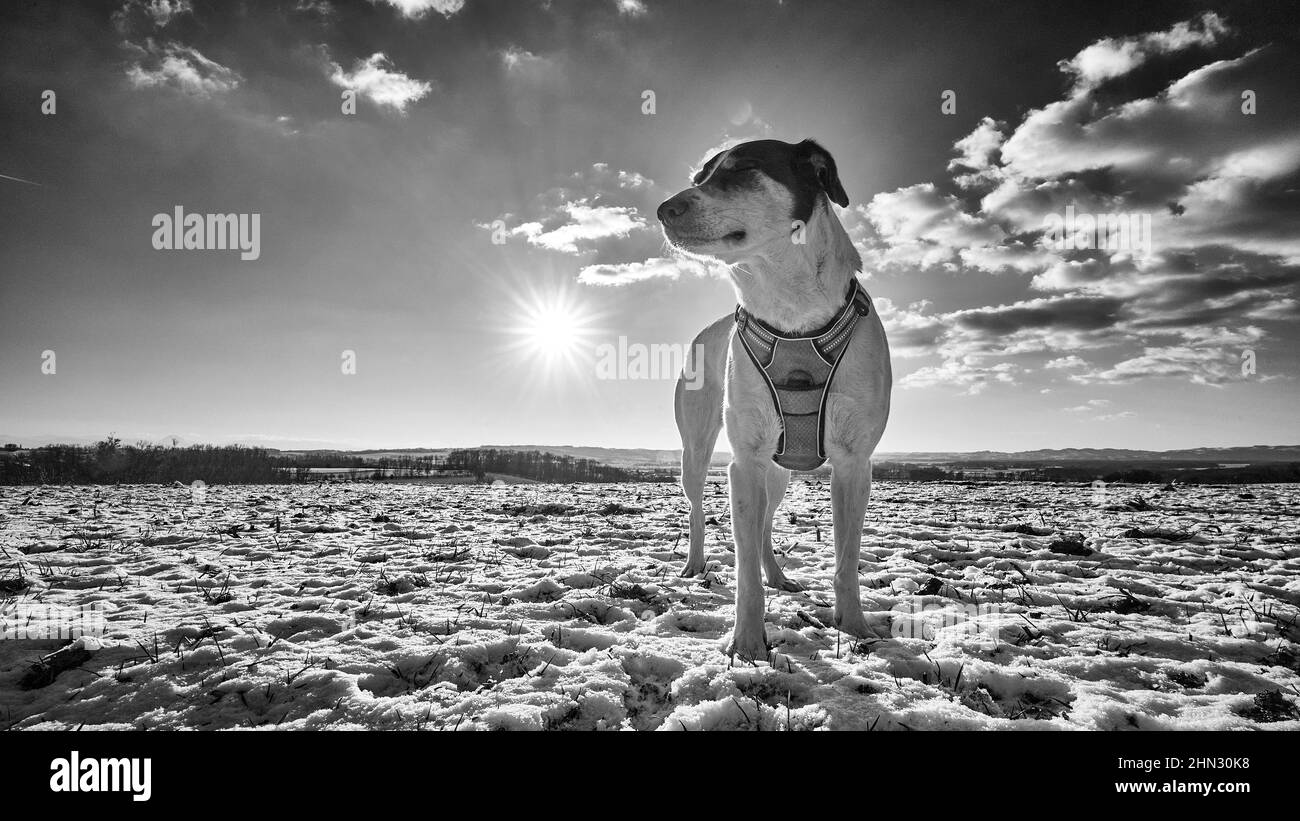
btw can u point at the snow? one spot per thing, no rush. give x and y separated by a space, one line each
419 606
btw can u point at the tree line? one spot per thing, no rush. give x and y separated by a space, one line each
1267 473
111 462
547 467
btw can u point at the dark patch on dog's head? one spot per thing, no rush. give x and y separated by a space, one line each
805 169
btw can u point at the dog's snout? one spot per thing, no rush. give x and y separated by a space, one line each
673 207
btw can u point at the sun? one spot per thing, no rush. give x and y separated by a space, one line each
552 330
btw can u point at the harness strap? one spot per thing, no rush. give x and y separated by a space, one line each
798 369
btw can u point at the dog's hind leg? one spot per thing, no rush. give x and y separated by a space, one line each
778 479
695 469
698 406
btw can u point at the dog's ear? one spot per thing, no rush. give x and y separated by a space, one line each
821 165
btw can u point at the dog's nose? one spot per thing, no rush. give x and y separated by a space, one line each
673 207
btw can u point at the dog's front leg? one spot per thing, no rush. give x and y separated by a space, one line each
747 478
850 489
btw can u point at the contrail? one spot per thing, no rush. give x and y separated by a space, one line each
20 179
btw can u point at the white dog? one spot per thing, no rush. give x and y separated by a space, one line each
800 372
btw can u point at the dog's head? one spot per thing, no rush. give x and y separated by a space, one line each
750 195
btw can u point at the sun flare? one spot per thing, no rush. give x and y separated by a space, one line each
552 330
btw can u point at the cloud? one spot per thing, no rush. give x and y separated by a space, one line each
1094 405
179 67
911 331
602 217
376 80
1065 363
922 227
521 62
1112 417
321 7
1110 58
977 154
535 85
584 224
631 8
1202 365
974 377
416 9
626 273
1220 188
1089 406
162 11
148 14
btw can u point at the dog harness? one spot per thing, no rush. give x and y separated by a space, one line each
798 370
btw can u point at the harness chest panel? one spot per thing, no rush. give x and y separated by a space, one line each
798 370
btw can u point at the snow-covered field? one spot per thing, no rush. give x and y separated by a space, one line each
559 607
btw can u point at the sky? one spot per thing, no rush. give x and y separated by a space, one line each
449 262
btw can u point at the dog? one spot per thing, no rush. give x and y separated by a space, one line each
763 208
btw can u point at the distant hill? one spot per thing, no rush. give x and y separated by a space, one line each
651 457
1251 453
619 457
1254 454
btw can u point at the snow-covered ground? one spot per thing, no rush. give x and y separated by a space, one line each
559 607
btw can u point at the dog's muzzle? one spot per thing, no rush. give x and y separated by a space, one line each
674 208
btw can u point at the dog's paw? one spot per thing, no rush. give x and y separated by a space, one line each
693 567
785 585
749 645
857 625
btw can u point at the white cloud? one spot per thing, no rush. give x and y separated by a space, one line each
633 179
919 226
321 7
1218 187
1065 363
1111 417
162 11
138 15
976 152
1110 58
1089 406
912 332
415 9
971 375
585 224
1201 365
375 79
523 64
179 67
624 273
598 214
631 8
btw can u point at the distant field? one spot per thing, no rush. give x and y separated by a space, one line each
387 605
